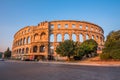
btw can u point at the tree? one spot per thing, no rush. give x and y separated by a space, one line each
7 53
112 46
88 47
1 54
69 48
78 53
66 48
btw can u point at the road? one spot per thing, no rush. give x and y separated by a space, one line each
48 71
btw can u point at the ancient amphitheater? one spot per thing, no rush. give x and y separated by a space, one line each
40 41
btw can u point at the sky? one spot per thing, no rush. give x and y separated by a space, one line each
16 14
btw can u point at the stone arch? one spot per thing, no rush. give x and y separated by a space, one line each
100 40
59 38
87 27
36 36
66 26
59 26
93 37
16 43
51 37
51 49
20 41
35 48
81 37
42 48
28 40
91 28
43 36
87 36
27 50
19 51
24 41
97 38
66 36
23 51
73 36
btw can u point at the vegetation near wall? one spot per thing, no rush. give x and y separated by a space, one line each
0 54
7 53
76 50
112 46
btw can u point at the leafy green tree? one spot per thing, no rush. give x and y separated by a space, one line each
112 46
78 53
66 48
69 48
88 47
7 53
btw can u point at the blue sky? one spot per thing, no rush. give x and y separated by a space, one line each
16 14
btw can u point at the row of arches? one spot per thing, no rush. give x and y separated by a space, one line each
38 49
42 36
22 50
74 37
26 50
22 41
80 26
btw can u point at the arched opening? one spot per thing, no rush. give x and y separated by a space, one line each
66 25
100 40
36 37
21 42
23 51
18 42
51 37
51 26
80 26
42 48
59 38
51 49
73 37
42 36
19 51
73 25
66 36
81 38
91 28
35 49
87 36
97 38
86 27
59 26
50 56
24 41
27 49
28 40
93 37
29 30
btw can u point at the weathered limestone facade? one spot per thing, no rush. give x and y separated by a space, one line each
40 41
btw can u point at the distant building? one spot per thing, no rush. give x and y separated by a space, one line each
40 41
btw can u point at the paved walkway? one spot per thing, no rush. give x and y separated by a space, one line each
90 63
28 70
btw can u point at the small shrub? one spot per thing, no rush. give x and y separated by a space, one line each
105 56
115 54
